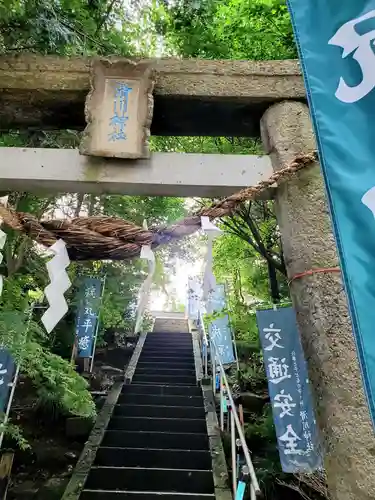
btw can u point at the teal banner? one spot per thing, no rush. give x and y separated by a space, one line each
219 329
88 316
289 389
336 44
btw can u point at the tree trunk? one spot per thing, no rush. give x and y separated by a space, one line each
274 286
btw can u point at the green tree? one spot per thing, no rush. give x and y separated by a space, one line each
229 29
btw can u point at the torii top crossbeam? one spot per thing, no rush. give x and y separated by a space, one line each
192 97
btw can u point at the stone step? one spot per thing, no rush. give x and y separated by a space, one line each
151 356
162 390
172 329
167 364
179 384
141 495
170 350
158 424
157 400
166 356
156 440
177 335
153 459
157 351
164 379
172 340
175 372
168 338
159 411
155 480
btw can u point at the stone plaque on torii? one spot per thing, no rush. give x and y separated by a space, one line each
119 109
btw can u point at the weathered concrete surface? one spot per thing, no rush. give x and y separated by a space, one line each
192 97
321 307
164 174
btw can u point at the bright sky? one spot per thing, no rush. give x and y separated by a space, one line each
178 284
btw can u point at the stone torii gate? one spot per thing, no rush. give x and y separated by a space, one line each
217 98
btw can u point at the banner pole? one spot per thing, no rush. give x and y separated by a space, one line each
232 331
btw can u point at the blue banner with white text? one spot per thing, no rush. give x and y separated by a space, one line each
7 372
88 315
219 329
338 60
289 389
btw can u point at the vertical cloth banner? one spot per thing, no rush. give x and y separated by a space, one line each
7 372
219 329
290 394
88 315
194 297
338 62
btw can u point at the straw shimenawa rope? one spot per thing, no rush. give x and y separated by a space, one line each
97 238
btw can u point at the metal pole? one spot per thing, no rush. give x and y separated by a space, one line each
241 436
213 365
235 352
227 289
234 452
205 357
252 492
94 345
221 404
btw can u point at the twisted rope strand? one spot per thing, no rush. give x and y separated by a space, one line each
100 238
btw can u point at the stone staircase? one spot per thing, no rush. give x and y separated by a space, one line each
156 444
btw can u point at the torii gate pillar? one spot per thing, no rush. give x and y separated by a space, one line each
321 306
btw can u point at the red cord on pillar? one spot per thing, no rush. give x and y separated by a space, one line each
315 271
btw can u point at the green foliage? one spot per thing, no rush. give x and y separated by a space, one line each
263 427
260 434
13 432
55 379
221 145
229 29
158 210
64 27
147 322
79 27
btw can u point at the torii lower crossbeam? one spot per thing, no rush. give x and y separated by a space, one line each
164 174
